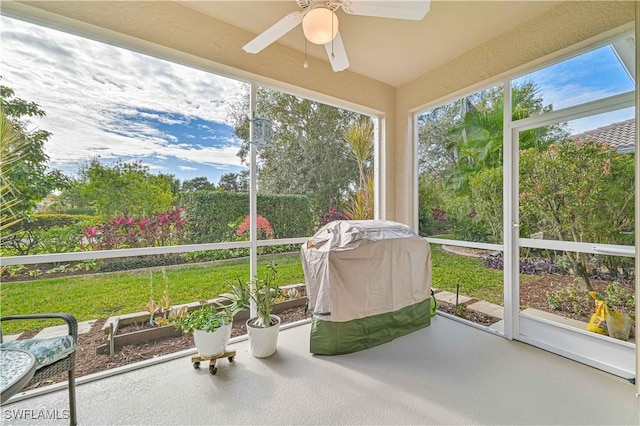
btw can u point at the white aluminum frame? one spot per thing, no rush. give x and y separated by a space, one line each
611 355
637 195
620 356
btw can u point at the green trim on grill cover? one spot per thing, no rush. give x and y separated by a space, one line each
333 338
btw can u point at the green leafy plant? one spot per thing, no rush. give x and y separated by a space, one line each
264 292
152 307
207 318
239 297
571 297
619 296
35 272
292 294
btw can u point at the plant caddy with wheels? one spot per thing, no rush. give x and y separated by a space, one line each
211 330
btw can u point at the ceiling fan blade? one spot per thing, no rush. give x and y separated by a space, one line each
273 33
400 9
339 60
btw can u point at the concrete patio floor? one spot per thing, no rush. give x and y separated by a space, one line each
449 373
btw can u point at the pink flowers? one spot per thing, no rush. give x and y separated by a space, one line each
263 225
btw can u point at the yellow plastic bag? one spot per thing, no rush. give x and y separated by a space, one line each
598 321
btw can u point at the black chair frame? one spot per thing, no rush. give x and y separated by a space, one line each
67 364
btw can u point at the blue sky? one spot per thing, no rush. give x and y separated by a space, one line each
118 104
593 75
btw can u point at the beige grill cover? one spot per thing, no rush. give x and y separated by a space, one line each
357 269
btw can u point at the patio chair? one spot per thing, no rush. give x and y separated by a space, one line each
53 355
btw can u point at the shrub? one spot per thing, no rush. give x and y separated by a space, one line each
331 215
572 298
486 199
528 265
127 232
46 221
264 231
209 215
464 221
431 213
127 263
89 211
45 233
620 296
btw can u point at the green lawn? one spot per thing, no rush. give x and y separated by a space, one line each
475 280
103 295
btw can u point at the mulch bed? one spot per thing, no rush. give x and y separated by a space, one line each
88 362
532 295
473 316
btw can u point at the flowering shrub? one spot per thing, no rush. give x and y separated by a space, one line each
333 214
264 227
439 215
127 232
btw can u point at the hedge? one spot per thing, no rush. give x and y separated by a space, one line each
215 215
47 221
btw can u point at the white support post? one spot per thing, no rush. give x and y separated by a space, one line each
413 135
377 140
637 198
510 232
253 195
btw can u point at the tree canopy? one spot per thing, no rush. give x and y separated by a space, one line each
464 137
127 189
197 184
30 177
309 154
235 182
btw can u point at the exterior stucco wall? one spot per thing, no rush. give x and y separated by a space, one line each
566 27
171 30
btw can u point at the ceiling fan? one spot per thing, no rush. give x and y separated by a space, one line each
320 23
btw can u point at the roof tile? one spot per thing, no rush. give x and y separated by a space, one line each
619 135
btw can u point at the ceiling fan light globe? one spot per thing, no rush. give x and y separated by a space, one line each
320 25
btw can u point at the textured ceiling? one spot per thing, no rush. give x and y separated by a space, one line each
389 50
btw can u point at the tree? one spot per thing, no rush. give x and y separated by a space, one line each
12 150
235 182
579 191
197 184
127 189
308 155
174 183
435 139
458 140
30 177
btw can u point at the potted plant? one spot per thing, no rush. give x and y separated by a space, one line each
263 329
238 299
211 329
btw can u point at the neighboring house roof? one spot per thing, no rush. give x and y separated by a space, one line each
620 136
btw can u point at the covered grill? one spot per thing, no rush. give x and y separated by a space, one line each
368 282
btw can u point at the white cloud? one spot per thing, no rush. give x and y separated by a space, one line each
188 168
87 88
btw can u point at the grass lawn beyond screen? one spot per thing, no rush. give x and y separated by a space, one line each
99 296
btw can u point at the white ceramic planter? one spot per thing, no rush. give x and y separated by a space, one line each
211 344
264 341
